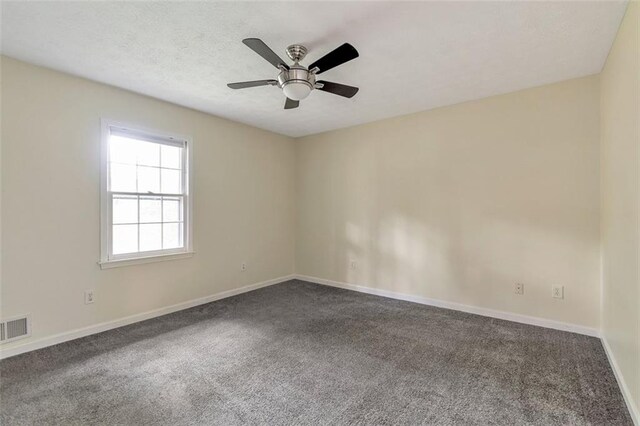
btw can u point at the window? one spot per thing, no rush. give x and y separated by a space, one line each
145 196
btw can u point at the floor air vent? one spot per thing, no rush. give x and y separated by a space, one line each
15 328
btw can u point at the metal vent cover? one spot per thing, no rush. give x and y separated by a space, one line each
15 328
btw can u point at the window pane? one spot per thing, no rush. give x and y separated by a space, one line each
125 209
125 239
171 181
150 209
148 154
172 235
171 157
171 209
148 179
123 150
150 237
123 178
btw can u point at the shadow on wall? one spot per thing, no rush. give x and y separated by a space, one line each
453 222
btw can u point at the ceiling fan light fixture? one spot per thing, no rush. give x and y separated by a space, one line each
297 81
297 90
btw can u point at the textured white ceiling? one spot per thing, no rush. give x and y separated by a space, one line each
413 56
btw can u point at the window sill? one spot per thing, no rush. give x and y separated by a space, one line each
108 264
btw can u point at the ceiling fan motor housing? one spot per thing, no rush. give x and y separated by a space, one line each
296 82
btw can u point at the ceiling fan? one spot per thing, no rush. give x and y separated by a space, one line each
297 81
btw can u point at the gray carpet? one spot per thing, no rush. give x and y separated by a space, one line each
300 353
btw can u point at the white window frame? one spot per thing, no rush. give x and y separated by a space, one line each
109 260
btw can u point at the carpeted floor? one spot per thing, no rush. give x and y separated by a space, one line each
300 353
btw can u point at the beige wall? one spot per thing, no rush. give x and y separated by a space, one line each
243 206
460 203
620 118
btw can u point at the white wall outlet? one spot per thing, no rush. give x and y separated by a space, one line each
89 297
243 267
353 264
519 288
557 291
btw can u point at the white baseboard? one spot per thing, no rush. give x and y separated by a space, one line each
29 346
633 409
524 319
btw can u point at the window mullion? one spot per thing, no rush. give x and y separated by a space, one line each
160 168
138 198
161 202
162 222
146 194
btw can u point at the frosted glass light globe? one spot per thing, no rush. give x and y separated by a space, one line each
296 90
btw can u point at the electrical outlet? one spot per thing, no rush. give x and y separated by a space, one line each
89 297
557 291
243 267
353 264
519 288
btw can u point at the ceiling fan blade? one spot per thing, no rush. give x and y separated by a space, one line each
338 89
336 57
256 83
290 104
263 50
